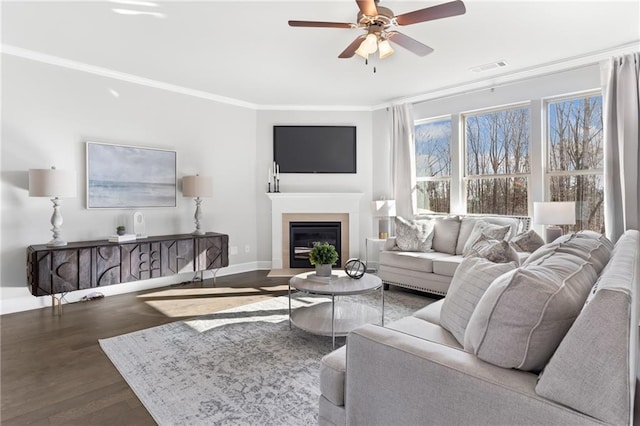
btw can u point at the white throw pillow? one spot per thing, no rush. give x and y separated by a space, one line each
472 277
414 235
496 232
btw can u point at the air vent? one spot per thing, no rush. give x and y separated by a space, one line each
486 67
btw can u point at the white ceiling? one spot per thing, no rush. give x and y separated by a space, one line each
245 50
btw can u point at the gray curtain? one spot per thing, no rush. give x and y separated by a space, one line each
403 152
621 113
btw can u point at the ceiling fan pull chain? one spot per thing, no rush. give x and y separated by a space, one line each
374 70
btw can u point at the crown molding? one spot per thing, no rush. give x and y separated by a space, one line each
108 73
548 68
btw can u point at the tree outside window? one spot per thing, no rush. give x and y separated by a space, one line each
433 165
497 161
575 153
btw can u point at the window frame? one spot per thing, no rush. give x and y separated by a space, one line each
466 177
420 179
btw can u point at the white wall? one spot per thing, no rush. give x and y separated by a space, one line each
49 112
301 182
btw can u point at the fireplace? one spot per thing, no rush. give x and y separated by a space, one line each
302 235
313 207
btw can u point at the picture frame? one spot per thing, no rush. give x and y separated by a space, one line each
126 177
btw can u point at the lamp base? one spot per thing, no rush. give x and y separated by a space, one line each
198 232
552 233
56 242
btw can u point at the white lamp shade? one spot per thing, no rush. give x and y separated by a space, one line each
554 213
197 186
52 183
383 208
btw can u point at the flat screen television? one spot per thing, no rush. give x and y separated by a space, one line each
315 149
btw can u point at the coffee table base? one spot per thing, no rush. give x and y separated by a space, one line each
316 319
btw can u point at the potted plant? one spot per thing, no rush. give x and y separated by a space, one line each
120 230
323 256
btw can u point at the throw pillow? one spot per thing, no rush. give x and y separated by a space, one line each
445 234
471 279
498 251
523 316
528 241
496 232
413 235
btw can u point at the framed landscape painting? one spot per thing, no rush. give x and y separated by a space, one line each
121 177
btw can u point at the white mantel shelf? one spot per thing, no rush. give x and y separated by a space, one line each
276 195
313 202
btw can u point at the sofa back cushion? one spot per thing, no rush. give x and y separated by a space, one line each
594 368
445 234
523 316
471 279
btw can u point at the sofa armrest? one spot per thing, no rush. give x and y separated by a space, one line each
390 244
395 378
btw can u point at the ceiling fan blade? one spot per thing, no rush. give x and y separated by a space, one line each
444 10
367 7
319 24
351 49
409 43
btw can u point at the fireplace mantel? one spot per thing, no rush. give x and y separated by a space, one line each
313 202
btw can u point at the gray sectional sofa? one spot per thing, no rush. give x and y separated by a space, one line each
553 341
433 270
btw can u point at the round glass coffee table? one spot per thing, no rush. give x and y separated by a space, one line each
337 317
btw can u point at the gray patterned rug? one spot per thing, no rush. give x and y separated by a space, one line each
242 366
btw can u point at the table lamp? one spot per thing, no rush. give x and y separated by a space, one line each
197 186
553 214
56 184
383 210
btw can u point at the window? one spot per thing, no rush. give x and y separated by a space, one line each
574 169
433 165
497 161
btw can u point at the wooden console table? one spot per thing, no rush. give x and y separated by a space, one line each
92 264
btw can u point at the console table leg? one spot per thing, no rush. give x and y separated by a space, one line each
56 305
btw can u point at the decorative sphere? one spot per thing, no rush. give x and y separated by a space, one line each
355 268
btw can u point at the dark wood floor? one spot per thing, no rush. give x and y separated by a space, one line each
54 372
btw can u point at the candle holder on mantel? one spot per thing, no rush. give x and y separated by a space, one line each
269 188
277 185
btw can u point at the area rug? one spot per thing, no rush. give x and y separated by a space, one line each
242 366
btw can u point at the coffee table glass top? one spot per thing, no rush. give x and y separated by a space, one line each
339 284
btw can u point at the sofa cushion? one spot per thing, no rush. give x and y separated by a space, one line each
426 330
498 251
431 312
446 265
607 326
445 234
412 260
481 228
589 249
332 371
528 241
414 235
466 226
472 278
524 314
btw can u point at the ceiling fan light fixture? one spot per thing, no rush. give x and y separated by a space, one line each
360 52
370 44
384 49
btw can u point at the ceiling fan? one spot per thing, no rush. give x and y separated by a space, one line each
380 22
